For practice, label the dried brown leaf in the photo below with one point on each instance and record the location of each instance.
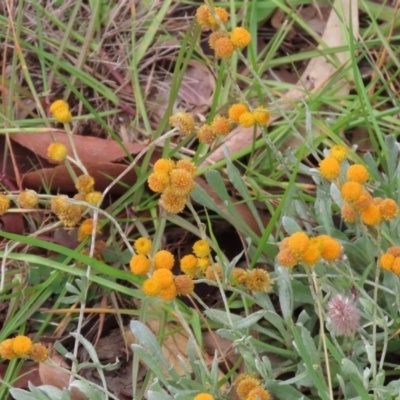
(28, 373)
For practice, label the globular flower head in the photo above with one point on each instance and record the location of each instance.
(236, 111)
(142, 245)
(348, 213)
(240, 37)
(165, 165)
(287, 258)
(187, 165)
(188, 265)
(351, 191)
(331, 249)
(239, 275)
(163, 259)
(151, 287)
(212, 40)
(363, 201)
(86, 228)
(203, 263)
(6, 349)
(28, 199)
(204, 396)
(371, 215)
(389, 209)
(338, 152)
(84, 183)
(220, 125)
(21, 345)
(57, 152)
(205, 134)
(247, 119)
(223, 47)
(261, 115)
(172, 202)
(205, 17)
(72, 216)
(181, 181)
(93, 198)
(182, 121)
(386, 261)
(60, 204)
(168, 293)
(298, 242)
(244, 384)
(329, 168)
(214, 271)
(311, 254)
(343, 315)
(39, 352)
(357, 173)
(258, 280)
(158, 181)
(60, 111)
(394, 250)
(4, 204)
(140, 264)
(201, 248)
(164, 276)
(258, 394)
(184, 285)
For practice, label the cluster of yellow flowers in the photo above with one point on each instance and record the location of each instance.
(22, 346)
(358, 202)
(240, 114)
(26, 199)
(249, 388)
(390, 261)
(174, 181)
(224, 44)
(301, 248)
(161, 281)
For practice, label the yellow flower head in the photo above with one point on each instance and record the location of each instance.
(311, 255)
(181, 182)
(203, 263)
(348, 214)
(261, 115)
(396, 266)
(28, 199)
(205, 134)
(338, 152)
(60, 204)
(205, 18)
(164, 276)
(163, 259)
(84, 183)
(247, 119)
(22, 345)
(201, 248)
(93, 198)
(188, 265)
(182, 121)
(164, 165)
(239, 275)
(4, 204)
(286, 258)
(39, 353)
(57, 151)
(351, 191)
(184, 285)
(258, 394)
(151, 287)
(158, 181)
(60, 111)
(389, 209)
(140, 264)
(220, 125)
(245, 384)
(223, 47)
(214, 37)
(386, 261)
(187, 165)
(204, 396)
(357, 173)
(6, 349)
(214, 271)
(363, 201)
(371, 215)
(72, 216)
(240, 37)
(331, 249)
(298, 242)
(168, 293)
(172, 202)
(236, 111)
(394, 250)
(329, 168)
(86, 229)
(142, 246)
(258, 280)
